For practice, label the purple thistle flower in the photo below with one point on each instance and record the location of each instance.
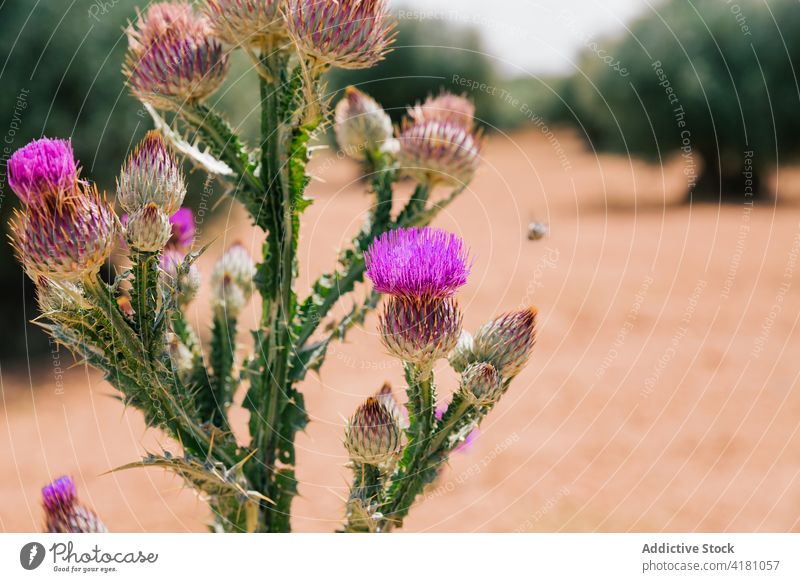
(63, 513)
(66, 239)
(60, 493)
(173, 57)
(182, 230)
(417, 262)
(435, 151)
(351, 34)
(44, 165)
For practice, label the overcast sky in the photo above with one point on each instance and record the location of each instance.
(538, 36)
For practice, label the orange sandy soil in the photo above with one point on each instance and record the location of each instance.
(662, 394)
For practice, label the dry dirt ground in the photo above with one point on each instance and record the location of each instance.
(663, 394)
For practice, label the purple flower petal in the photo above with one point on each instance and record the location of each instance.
(417, 262)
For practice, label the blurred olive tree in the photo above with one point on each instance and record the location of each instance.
(713, 81)
(60, 76)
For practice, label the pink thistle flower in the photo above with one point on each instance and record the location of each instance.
(417, 262)
(44, 166)
(172, 57)
(435, 152)
(183, 230)
(245, 22)
(67, 240)
(351, 34)
(63, 513)
(445, 108)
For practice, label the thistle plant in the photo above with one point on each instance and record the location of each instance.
(135, 330)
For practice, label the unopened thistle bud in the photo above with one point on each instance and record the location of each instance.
(351, 34)
(180, 356)
(372, 435)
(363, 128)
(445, 108)
(417, 262)
(420, 330)
(63, 513)
(186, 284)
(386, 397)
(232, 280)
(148, 229)
(173, 57)
(245, 22)
(463, 354)
(52, 297)
(44, 167)
(151, 175)
(66, 240)
(435, 152)
(481, 384)
(507, 341)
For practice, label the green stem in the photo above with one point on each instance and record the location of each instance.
(144, 297)
(223, 350)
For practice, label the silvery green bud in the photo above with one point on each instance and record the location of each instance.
(180, 356)
(462, 355)
(186, 284)
(151, 174)
(372, 435)
(481, 384)
(232, 281)
(362, 127)
(148, 229)
(507, 341)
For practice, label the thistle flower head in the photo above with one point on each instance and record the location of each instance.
(417, 262)
(351, 34)
(66, 240)
(186, 284)
(44, 166)
(245, 22)
(52, 297)
(173, 57)
(462, 355)
(232, 280)
(420, 330)
(148, 229)
(362, 127)
(445, 108)
(63, 513)
(434, 152)
(506, 342)
(372, 435)
(481, 384)
(180, 356)
(182, 223)
(386, 397)
(151, 174)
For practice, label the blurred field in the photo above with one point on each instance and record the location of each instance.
(662, 394)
